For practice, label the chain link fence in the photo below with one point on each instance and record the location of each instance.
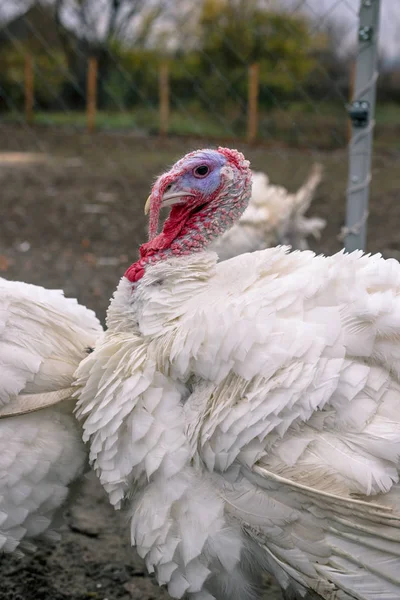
(241, 70)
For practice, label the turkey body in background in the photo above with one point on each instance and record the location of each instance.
(43, 338)
(273, 217)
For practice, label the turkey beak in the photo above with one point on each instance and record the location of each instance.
(174, 198)
(167, 200)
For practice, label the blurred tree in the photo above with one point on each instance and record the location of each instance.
(135, 81)
(178, 30)
(49, 71)
(237, 33)
(31, 31)
(91, 27)
(334, 55)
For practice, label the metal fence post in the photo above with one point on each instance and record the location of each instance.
(361, 112)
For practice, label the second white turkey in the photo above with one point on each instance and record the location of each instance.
(273, 217)
(43, 338)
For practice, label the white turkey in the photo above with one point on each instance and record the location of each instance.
(246, 413)
(273, 216)
(43, 337)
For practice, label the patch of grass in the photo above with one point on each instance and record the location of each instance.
(295, 125)
(104, 120)
(182, 122)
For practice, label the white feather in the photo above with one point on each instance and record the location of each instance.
(43, 337)
(247, 414)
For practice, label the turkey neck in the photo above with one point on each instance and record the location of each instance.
(188, 231)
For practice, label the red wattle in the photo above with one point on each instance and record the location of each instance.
(135, 272)
(172, 228)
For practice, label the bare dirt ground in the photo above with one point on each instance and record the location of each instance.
(72, 218)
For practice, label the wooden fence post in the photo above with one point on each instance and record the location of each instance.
(252, 115)
(91, 93)
(29, 88)
(164, 98)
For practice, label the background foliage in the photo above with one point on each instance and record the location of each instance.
(208, 44)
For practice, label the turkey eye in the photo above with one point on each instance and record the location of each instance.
(201, 171)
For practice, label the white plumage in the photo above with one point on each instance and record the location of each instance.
(246, 413)
(274, 216)
(43, 337)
